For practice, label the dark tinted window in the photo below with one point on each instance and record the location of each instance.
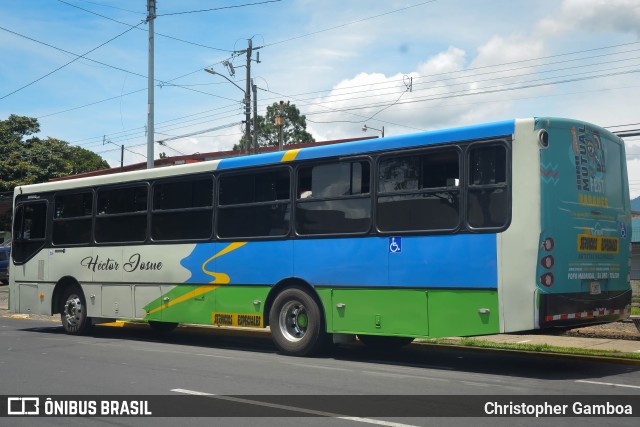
(182, 210)
(122, 200)
(487, 194)
(254, 204)
(121, 215)
(72, 218)
(419, 192)
(488, 165)
(183, 194)
(73, 205)
(254, 220)
(254, 187)
(31, 222)
(29, 230)
(333, 198)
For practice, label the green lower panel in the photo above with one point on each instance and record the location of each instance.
(463, 313)
(410, 312)
(246, 300)
(380, 312)
(233, 305)
(188, 305)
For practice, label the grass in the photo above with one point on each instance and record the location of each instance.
(635, 311)
(536, 348)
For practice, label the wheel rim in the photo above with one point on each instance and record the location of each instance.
(293, 321)
(73, 310)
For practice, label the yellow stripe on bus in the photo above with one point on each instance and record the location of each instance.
(290, 155)
(218, 279)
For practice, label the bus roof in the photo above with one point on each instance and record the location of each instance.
(343, 149)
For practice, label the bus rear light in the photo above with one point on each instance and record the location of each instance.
(547, 279)
(548, 244)
(547, 262)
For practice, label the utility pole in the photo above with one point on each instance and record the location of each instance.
(151, 15)
(247, 100)
(255, 117)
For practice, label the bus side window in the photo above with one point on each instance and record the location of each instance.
(182, 209)
(333, 198)
(487, 194)
(72, 218)
(419, 192)
(254, 204)
(30, 230)
(122, 214)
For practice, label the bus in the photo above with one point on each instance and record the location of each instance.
(502, 227)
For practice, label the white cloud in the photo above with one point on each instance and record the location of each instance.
(594, 16)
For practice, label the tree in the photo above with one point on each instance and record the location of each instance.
(294, 130)
(31, 160)
(26, 159)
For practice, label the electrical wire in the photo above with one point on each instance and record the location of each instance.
(155, 32)
(219, 8)
(68, 63)
(348, 23)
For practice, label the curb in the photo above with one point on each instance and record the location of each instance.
(581, 357)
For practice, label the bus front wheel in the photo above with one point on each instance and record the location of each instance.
(296, 323)
(73, 312)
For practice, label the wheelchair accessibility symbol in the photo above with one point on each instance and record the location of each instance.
(395, 245)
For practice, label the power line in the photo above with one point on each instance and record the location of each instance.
(112, 7)
(156, 33)
(348, 23)
(71, 53)
(68, 63)
(220, 8)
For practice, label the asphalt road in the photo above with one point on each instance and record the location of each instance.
(37, 358)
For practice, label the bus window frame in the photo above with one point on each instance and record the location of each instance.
(146, 213)
(333, 160)
(183, 178)
(459, 147)
(252, 170)
(17, 241)
(92, 217)
(506, 144)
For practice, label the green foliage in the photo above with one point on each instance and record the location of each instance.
(31, 160)
(294, 130)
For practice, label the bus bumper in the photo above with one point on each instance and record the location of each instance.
(575, 309)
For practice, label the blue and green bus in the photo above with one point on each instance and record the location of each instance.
(501, 227)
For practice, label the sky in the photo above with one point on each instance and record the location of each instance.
(80, 67)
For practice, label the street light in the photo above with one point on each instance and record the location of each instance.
(365, 128)
(247, 107)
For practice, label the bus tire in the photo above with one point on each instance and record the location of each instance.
(379, 342)
(73, 312)
(162, 327)
(297, 324)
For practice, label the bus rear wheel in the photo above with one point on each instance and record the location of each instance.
(73, 312)
(384, 343)
(297, 326)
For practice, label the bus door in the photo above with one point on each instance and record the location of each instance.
(29, 261)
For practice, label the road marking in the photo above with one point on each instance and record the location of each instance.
(611, 384)
(395, 375)
(320, 367)
(292, 408)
